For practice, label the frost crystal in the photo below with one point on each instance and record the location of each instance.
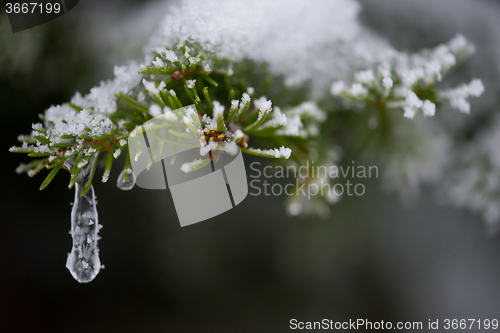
(117, 152)
(170, 56)
(264, 105)
(303, 120)
(151, 87)
(62, 120)
(102, 98)
(218, 110)
(238, 135)
(190, 83)
(458, 97)
(365, 76)
(231, 148)
(155, 110)
(428, 108)
(170, 116)
(158, 62)
(293, 126)
(234, 104)
(194, 60)
(245, 98)
(282, 152)
(190, 166)
(279, 119)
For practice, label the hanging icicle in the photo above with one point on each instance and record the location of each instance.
(83, 262)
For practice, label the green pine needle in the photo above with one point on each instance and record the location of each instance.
(50, 176)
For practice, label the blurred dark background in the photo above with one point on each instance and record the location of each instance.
(253, 268)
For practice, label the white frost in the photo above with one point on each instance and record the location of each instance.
(281, 152)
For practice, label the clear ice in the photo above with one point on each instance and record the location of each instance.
(126, 184)
(83, 262)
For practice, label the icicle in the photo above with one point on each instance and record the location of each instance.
(83, 261)
(126, 180)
